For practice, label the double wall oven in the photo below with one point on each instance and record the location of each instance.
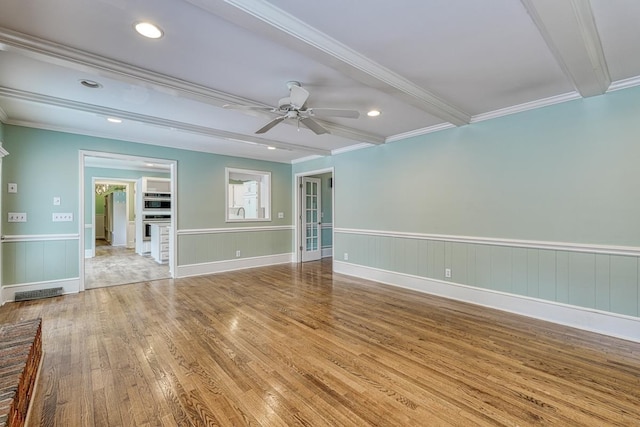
(156, 207)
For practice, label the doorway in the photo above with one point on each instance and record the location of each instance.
(314, 215)
(110, 186)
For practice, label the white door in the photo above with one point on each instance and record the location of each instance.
(311, 222)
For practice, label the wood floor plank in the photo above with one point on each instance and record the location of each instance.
(298, 345)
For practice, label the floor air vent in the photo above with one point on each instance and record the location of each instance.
(40, 293)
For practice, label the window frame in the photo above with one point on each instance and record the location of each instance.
(264, 176)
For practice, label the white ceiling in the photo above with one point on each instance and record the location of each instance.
(426, 64)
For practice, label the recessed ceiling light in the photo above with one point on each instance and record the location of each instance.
(373, 113)
(149, 30)
(150, 165)
(271, 148)
(90, 84)
(114, 120)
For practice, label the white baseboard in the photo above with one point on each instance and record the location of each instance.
(232, 264)
(327, 252)
(69, 286)
(602, 322)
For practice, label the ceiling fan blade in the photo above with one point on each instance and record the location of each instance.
(313, 125)
(332, 112)
(271, 124)
(298, 96)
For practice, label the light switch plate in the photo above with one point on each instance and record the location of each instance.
(56, 201)
(12, 187)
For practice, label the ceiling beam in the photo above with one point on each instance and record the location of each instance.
(569, 29)
(281, 27)
(54, 53)
(150, 120)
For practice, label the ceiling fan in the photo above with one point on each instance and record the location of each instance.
(294, 107)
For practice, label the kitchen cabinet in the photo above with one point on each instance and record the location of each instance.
(160, 234)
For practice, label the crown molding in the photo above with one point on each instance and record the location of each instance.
(350, 148)
(304, 159)
(419, 132)
(493, 114)
(624, 84)
(165, 123)
(275, 23)
(545, 102)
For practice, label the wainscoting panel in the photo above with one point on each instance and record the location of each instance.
(326, 235)
(593, 280)
(41, 259)
(214, 245)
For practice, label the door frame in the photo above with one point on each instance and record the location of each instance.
(306, 254)
(298, 229)
(115, 181)
(3, 153)
(173, 174)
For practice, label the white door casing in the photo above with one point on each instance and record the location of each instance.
(311, 239)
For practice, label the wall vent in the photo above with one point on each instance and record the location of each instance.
(38, 294)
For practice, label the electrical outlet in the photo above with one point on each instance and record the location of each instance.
(16, 217)
(280, 215)
(447, 272)
(62, 217)
(237, 254)
(12, 187)
(346, 256)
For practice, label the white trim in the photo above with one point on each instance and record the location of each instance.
(516, 243)
(69, 286)
(419, 132)
(624, 84)
(3, 152)
(326, 225)
(615, 325)
(232, 264)
(297, 181)
(160, 122)
(351, 148)
(38, 237)
(552, 100)
(173, 174)
(233, 230)
(305, 159)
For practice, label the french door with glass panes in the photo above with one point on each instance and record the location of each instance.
(311, 241)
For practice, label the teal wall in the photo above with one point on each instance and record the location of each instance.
(45, 164)
(564, 173)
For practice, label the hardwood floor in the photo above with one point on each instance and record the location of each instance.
(297, 345)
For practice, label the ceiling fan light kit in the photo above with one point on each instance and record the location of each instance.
(294, 107)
